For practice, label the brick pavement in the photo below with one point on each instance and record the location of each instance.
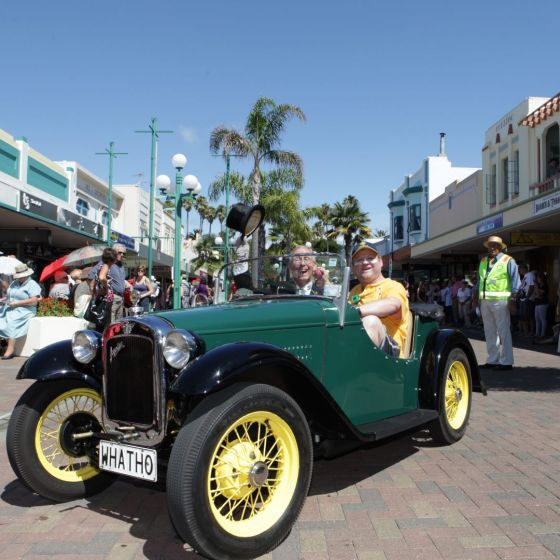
(493, 495)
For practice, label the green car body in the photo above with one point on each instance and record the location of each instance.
(234, 400)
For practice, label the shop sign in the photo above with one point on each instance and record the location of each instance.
(128, 242)
(489, 224)
(537, 239)
(547, 203)
(77, 222)
(37, 206)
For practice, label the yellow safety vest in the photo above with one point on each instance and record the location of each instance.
(494, 283)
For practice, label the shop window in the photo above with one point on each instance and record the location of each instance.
(515, 173)
(82, 207)
(505, 179)
(415, 217)
(552, 151)
(491, 187)
(398, 230)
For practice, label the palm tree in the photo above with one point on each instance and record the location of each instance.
(201, 204)
(188, 204)
(260, 142)
(207, 256)
(286, 218)
(221, 216)
(349, 221)
(210, 215)
(322, 226)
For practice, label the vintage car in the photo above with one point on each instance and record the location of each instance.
(233, 402)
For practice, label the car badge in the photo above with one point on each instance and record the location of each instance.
(127, 327)
(113, 352)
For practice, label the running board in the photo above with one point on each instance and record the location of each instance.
(397, 424)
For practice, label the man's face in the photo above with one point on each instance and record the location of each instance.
(494, 249)
(367, 267)
(302, 266)
(120, 253)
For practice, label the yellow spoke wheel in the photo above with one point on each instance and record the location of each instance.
(55, 426)
(456, 394)
(453, 399)
(253, 474)
(239, 471)
(40, 441)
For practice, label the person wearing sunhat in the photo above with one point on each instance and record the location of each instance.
(18, 307)
(381, 302)
(498, 282)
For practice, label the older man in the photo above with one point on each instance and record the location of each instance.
(381, 302)
(307, 275)
(498, 281)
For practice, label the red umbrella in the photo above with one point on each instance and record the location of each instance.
(50, 269)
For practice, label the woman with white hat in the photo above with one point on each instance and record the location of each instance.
(19, 306)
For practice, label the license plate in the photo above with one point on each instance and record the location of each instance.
(129, 460)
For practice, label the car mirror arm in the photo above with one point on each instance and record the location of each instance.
(341, 303)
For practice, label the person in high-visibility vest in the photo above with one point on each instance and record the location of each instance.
(498, 282)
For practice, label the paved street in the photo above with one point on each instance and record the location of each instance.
(495, 494)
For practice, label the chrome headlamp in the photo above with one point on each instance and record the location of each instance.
(179, 347)
(85, 345)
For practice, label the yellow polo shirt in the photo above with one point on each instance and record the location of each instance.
(396, 327)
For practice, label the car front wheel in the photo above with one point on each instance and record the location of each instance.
(239, 472)
(45, 444)
(454, 400)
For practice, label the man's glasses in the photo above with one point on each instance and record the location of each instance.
(120, 252)
(365, 260)
(302, 259)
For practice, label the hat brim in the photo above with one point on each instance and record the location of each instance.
(369, 249)
(25, 274)
(502, 244)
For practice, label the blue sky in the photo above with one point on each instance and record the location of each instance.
(377, 81)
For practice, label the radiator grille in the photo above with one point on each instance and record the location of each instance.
(129, 379)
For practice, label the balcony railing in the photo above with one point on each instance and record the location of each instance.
(551, 184)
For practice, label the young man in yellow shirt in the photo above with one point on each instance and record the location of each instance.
(381, 302)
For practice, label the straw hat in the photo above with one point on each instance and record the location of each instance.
(495, 239)
(22, 271)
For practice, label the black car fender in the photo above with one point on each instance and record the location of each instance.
(56, 361)
(256, 362)
(432, 365)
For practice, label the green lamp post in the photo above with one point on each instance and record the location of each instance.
(192, 186)
(112, 155)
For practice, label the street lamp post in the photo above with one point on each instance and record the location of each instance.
(112, 155)
(192, 186)
(155, 136)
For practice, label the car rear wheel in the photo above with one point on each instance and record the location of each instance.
(454, 400)
(239, 472)
(42, 445)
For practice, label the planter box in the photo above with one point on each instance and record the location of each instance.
(46, 330)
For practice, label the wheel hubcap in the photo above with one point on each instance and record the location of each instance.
(258, 474)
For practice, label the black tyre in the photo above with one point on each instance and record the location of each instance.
(454, 399)
(41, 449)
(239, 472)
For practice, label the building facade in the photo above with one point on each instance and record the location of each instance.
(48, 208)
(409, 206)
(519, 198)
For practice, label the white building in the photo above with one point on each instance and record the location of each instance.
(410, 202)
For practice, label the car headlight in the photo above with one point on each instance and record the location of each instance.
(85, 345)
(178, 348)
